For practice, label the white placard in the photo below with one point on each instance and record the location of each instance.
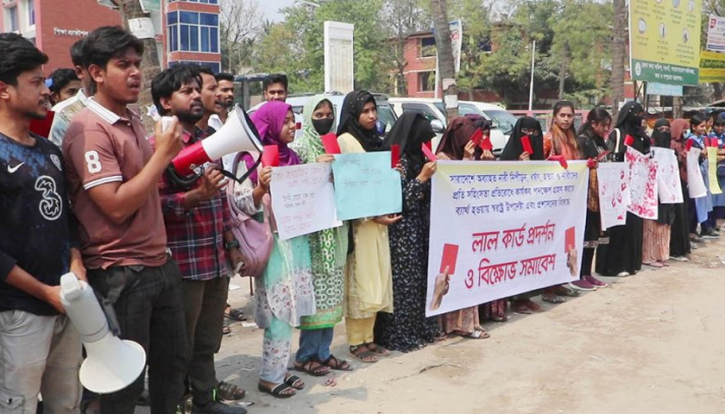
(695, 182)
(642, 184)
(613, 193)
(503, 228)
(303, 199)
(669, 187)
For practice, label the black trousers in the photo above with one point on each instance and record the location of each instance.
(204, 303)
(147, 302)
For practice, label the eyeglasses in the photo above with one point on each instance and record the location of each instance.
(528, 131)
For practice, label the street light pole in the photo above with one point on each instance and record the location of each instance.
(531, 84)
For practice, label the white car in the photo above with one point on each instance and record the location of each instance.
(434, 110)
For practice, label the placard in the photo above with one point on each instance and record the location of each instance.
(612, 178)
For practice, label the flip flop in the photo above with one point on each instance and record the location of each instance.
(363, 356)
(237, 314)
(477, 335)
(230, 392)
(278, 391)
(553, 299)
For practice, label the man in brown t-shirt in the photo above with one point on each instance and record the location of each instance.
(113, 176)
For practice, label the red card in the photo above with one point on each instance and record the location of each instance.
(570, 239)
(329, 141)
(42, 126)
(449, 259)
(628, 140)
(270, 156)
(486, 144)
(713, 142)
(561, 160)
(394, 155)
(688, 146)
(526, 143)
(477, 136)
(429, 144)
(428, 153)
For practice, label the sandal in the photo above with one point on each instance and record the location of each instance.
(552, 298)
(313, 368)
(229, 392)
(295, 382)
(337, 364)
(280, 391)
(226, 330)
(378, 350)
(477, 334)
(363, 354)
(237, 315)
(563, 291)
(533, 306)
(521, 308)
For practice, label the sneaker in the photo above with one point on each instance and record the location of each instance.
(694, 246)
(696, 239)
(216, 407)
(679, 258)
(595, 282)
(582, 285)
(710, 234)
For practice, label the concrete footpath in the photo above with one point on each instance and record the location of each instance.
(650, 343)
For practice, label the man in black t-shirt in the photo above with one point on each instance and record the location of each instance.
(41, 350)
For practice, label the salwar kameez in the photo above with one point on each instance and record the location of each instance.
(656, 246)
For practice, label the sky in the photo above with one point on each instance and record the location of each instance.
(270, 8)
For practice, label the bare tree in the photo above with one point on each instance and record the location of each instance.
(619, 29)
(446, 65)
(240, 21)
(402, 18)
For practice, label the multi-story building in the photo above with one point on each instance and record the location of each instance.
(187, 30)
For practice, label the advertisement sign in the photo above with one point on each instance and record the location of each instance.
(716, 34)
(712, 67)
(665, 40)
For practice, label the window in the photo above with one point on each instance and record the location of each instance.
(31, 12)
(214, 66)
(426, 81)
(193, 32)
(13, 13)
(427, 47)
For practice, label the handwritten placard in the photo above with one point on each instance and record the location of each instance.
(712, 169)
(669, 187)
(303, 199)
(642, 184)
(613, 193)
(366, 186)
(510, 220)
(695, 183)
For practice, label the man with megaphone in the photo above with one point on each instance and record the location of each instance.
(198, 228)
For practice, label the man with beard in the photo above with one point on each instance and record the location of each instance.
(225, 100)
(41, 350)
(199, 235)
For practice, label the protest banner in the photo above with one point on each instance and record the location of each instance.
(695, 182)
(366, 186)
(669, 187)
(642, 184)
(503, 228)
(303, 199)
(613, 193)
(712, 170)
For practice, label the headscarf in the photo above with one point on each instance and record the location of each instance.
(629, 124)
(352, 107)
(458, 133)
(269, 121)
(679, 144)
(514, 148)
(677, 130)
(661, 139)
(410, 132)
(309, 146)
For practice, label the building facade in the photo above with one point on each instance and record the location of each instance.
(186, 30)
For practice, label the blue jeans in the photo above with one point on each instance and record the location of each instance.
(315, 345)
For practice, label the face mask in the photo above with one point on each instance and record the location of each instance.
(323, 126)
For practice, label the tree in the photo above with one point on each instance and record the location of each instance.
(402, 18)
(239, 26)
(446, 65)
(619, 28)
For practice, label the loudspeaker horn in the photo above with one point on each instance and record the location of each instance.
(111, 364)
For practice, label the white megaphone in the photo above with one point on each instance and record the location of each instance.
(237, 134)
(111, 364)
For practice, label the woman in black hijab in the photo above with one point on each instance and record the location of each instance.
(656, 240)
(623, 256)
(514, 149)
(407, 329)
(353, 109)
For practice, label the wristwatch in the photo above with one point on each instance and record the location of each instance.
(231, 245)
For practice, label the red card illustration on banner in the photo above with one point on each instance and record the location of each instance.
(428, 153)
(628, 140)
(526, 143)
(561, 160)
(477, 137)
(42, 126)
(329, 141)
(570, 239)
(449, 259)
(394, 155)
(270, 156)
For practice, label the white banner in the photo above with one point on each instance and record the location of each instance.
(613, 193)
(669, 187)
(716, 34)
(503, 228)
(303, 199)
(695, 182)
(642, 184)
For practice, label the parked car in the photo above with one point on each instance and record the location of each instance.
(386, 115)
(434, 110)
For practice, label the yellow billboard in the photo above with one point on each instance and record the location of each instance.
(665, 40)
(712, 67)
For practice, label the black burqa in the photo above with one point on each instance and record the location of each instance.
(408, 329)
(624, 251)
(352, 107)
(514, 148)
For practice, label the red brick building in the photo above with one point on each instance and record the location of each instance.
(420, 55)
(187, 30)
